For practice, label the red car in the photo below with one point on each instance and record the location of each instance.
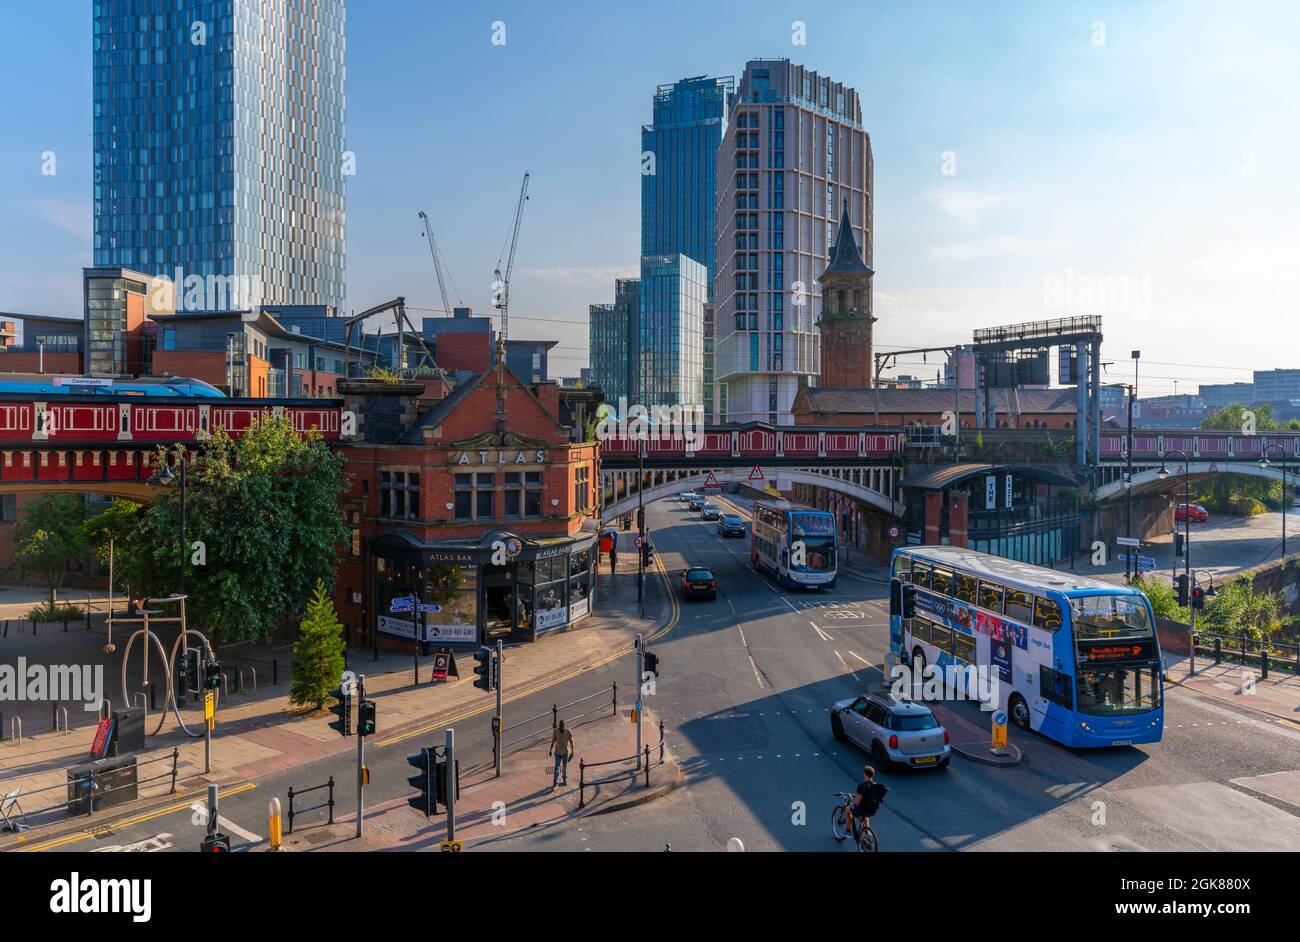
(1198, 513)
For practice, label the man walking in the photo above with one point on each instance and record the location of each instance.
(613, 557)
(562, 746)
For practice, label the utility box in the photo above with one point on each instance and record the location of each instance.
(102, 783)
(129, 736)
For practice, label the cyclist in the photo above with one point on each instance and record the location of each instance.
(870, 795)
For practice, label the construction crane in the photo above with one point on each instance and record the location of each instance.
(437, 264)
(501, 285)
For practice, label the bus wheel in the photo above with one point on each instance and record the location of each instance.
(1019, 711)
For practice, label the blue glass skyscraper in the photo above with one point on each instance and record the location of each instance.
(219, 144)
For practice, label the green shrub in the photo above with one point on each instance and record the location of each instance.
(57, 611)
(1164, 602)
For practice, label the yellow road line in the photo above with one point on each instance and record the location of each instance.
(128, 822)
(549, 682)
(1288, 723)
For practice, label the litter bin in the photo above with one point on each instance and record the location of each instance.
(101, 783)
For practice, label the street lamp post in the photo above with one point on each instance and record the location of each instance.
(1187, 542)
(1264, 463)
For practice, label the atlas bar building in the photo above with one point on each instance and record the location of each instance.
(476, 501)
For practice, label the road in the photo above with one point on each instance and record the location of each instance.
(745, 685)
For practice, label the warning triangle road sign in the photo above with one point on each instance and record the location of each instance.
(712, 481)
(756, 474)
(1214, 467)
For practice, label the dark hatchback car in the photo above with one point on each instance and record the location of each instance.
(698, 582)
(731, 525)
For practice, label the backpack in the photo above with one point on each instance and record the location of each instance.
(874, 798)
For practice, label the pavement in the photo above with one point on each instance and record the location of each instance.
(1278, 696)
(489, 808)
(259, 735)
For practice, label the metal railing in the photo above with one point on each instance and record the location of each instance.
(642, 760)
(92, 792)
(327, 803)
(553, 714)
(1243, 649)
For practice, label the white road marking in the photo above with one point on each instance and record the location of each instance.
(201, 808)
(860, 658)
(846, 665)
(825, 636)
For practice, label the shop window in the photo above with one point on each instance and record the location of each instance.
(473, 495)
(399, 494)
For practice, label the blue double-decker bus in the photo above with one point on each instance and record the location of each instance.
(793, 544)
(1074, 658)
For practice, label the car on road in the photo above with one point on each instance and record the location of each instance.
(1197, 513)
(709, 511)
(731, 525)
(686, 497)
(895, 732)
(698, 582)
(695, 503)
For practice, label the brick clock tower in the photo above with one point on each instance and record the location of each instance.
(846, 314)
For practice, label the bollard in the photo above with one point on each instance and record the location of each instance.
(16, 730)
(2, 727)
(65, 625)
(1263, 663)
(87, 612)
(33, 627)
(647, 765)
(555, 715)
(273, 812)
(1218, 651)
(291, 809)
(66, 726)
(6, 627)
(153, 699)
(275, 672)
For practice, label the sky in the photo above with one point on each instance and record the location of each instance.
(1032, 159)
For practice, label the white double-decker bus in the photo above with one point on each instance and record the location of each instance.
(794, 544)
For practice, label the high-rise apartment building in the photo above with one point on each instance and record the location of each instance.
(669, 365)
(219, 146)
(793, 153)
(613, 340)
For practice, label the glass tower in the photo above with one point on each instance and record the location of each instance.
(613, 342)
(219, 146)
(670, 350)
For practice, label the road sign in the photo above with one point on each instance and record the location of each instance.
(454, 847)
(1146, 564)
(1128, 541)
(440, 663)
(403, 603)
(711, 481)
(999, 730)
(894, 532)
(429, 607)
(210, 708)
(756, 474)
(636, 541)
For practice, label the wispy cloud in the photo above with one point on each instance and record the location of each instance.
(963, 204)
(584, 276)
(1257, 260)
(72, 216)
(994, 247)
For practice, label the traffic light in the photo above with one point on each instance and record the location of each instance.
(640, 518)
(652, 663)
(187, 678)
(645, 553)
(215, 844)
(484, 669)
(1198, 597)
(342, 709)
(440, 780)
(1180, 543)
(427, 800)
(1180, 586)
(366, 718)
(909, 600)
(212, 675)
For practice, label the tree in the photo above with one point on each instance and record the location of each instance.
(263, 527)
(318, 652)
(1164, 602)
(1238, 609)
(50, 536)
(122, 525)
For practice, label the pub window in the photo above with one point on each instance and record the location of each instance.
(464, 487)
(991, 596)
(1047, 614)
(484, 483)
(1019, 606)
(941, 581)
(399, 494)
(582, 489)
(967, 588)
(523, 494)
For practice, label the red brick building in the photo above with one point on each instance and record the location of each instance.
(846, 321)
(476, 501)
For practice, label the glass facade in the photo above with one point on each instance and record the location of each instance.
(613, 340)
(219, 145)
(670, 354)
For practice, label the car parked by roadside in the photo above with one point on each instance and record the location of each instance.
(1196, 512)
(894, 732)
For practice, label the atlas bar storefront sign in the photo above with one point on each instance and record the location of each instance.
(504, 456)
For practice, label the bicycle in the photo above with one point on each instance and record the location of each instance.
(863, 836)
